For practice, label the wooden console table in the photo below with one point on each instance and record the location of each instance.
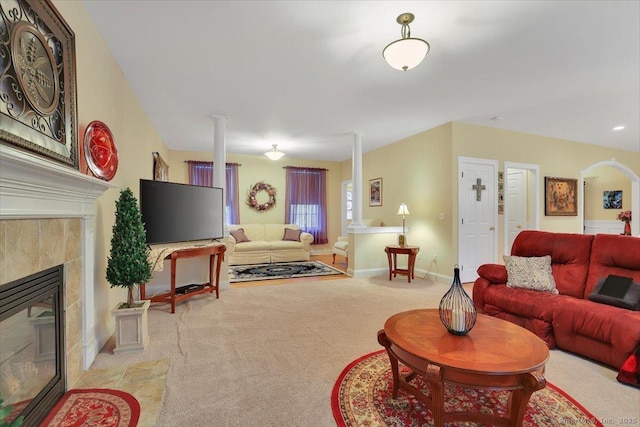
(216, 255)
(394, 250)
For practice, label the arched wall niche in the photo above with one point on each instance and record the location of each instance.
(635, 190)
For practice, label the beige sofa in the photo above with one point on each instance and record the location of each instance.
(266, 245)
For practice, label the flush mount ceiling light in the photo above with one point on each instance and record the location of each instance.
(618, 128)
(406, 53)
(274, 154)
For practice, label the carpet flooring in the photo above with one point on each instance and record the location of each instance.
(280, 270)
(362, 397)
(270, 355)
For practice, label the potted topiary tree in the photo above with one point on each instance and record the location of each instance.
(127, 267)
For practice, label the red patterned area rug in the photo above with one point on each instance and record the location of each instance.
(362, 397)
(94, 407)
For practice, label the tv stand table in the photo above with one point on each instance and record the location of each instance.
(215, 254)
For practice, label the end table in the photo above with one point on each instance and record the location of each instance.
(394, 250)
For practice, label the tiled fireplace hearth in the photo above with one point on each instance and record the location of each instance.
(47, 218)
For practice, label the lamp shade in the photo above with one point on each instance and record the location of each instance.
(405, 54)
(403, 210)
(274, 154)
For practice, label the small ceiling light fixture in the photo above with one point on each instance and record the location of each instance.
(405, 53)
(617, 128)
(274, 154)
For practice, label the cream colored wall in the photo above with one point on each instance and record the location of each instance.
(424, 175)
(368, 252)
(556, 157)
(415, 171)
(104, 94)
(605, 178)
(259, 168)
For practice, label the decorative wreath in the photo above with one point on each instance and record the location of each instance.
(261, 186)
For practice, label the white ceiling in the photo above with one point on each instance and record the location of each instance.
(306, 74)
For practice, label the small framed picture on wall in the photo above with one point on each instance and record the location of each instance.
(160, 168)
(612, 199)
(375, 192)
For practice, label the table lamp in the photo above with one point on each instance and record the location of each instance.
(404, 211)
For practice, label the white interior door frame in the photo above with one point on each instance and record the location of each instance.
(635, 190)
(343, 207)
(535, 189)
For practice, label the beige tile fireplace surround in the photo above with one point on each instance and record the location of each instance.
(32, 245)
(47, 218)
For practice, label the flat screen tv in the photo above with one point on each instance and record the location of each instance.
(174, 212)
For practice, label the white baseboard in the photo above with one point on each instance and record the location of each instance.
(372, 272)
(419, 273)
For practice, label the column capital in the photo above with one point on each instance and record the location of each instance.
(219, 118)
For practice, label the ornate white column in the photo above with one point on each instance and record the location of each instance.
(220, 154)
(220, 180)
(356, 179)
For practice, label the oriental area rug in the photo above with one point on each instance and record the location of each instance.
(362, 397)
(279, 270)
(94, 407)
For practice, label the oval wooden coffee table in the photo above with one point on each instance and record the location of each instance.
(496, 355)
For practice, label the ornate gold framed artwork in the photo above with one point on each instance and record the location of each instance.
(38, 83)
(560, 196)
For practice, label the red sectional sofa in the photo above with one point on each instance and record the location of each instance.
(569, 320)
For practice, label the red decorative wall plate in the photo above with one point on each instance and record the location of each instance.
(100, 150)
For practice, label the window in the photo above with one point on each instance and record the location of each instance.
(306, 216)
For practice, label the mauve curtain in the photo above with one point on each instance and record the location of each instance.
(201, 173)
(306, 201)
(233, 200)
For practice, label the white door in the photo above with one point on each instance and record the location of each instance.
(530, 190)
(517, 205)
(477, 215)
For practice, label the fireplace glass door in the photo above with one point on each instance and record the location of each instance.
(32, 345)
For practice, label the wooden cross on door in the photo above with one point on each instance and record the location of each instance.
(479, 186)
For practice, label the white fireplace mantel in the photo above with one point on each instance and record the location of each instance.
(33, 187)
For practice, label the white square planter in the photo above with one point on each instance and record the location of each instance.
(132, 332)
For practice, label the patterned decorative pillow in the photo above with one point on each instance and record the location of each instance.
(291, 234)
(530, 273)
(239, 235)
